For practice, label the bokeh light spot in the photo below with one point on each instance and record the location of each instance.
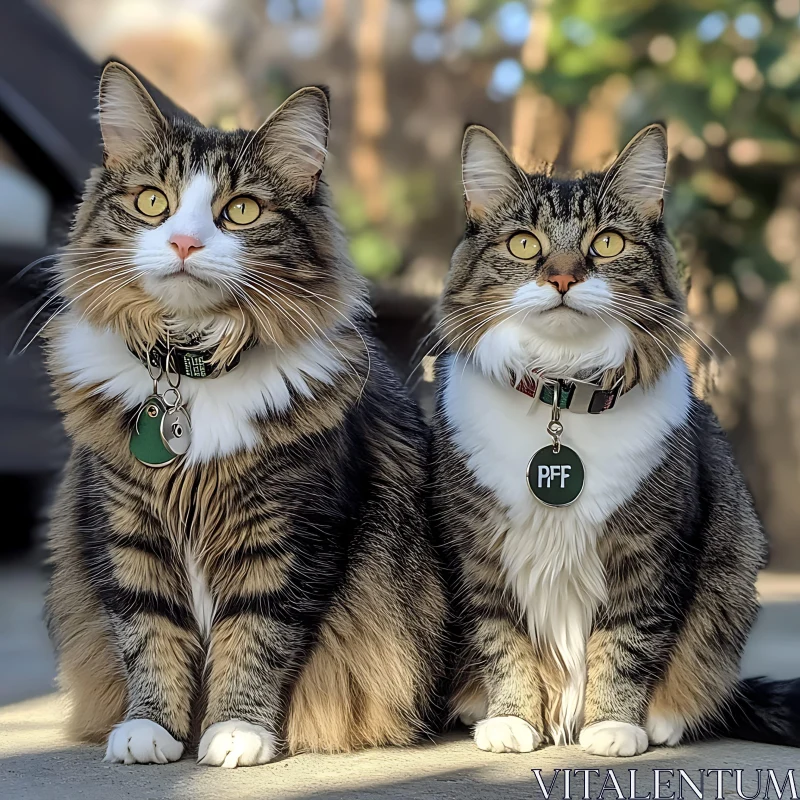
(715, 134)
(305, 42)
(506, 79)
(693, 147)
(430, 13)
(662, 49)
(311, 9)
(577, 31)
(748, 25)
(467, 34)
(745, 151)
(513, 22)
(426, 46)
(280, 12)
(787, 8)
(745, 71)
(712, 26)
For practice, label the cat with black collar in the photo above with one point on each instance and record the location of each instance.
(242, 561)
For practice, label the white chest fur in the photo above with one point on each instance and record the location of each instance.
(222, 409)
(202, 600)
(549, 554)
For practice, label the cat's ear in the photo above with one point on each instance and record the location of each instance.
(294, 140)
(129, 118)
(640, 171)
(489, 173)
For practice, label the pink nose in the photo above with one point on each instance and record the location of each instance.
(184, 246)
(563, 282)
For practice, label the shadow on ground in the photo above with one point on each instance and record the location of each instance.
(452, 769)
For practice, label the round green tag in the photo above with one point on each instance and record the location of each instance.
(556, 478)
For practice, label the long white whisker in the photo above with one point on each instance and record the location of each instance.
(618, 314)
(26, 269)
(59, 285)
(314, 326)
(64, 308)
(676, 333)
(266, 283)
(663, 319)
(677, 313)
(439, 328)
(108, 294)
(56, 296)
(259, 314)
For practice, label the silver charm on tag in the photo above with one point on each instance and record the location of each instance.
(176, 427)
(176, 430)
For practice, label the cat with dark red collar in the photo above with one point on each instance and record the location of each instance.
(603, 544)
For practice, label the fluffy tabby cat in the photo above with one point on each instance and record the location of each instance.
(618, 620)
(277, 584)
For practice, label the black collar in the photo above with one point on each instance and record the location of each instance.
(188, 360)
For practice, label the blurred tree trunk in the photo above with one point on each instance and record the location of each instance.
(758, 392)
(371, 116)
(768, 435)
(596, 131)
(537, 124)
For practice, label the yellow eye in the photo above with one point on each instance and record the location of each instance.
(607, 244)
(152, 202)
(524, 245)
(242, 210)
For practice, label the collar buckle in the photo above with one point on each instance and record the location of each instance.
(579, 397)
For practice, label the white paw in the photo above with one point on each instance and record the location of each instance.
(665, 729)
(506, 735)
(236, 744)
(472, 710)
(142, 741)
(613, 739)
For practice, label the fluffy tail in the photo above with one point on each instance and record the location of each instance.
(761, 710)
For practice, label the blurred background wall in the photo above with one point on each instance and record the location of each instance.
(563, 81)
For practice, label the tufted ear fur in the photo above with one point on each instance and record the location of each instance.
(640, 171)
(129, 118)
(294, 140)
(488, 172)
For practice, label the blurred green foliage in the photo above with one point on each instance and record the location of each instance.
(728, 71)
(724, 75)
(377, 251)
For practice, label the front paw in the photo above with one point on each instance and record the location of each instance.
(506, 735)
(665, 728)
(611, 738)
(236, 744)
(142, 741)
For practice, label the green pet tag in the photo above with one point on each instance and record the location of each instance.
(147, 443)
(555, 476)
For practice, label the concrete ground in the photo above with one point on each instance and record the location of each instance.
(37, 763)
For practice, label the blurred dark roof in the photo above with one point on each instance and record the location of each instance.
(47, 93)
(48, 89)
